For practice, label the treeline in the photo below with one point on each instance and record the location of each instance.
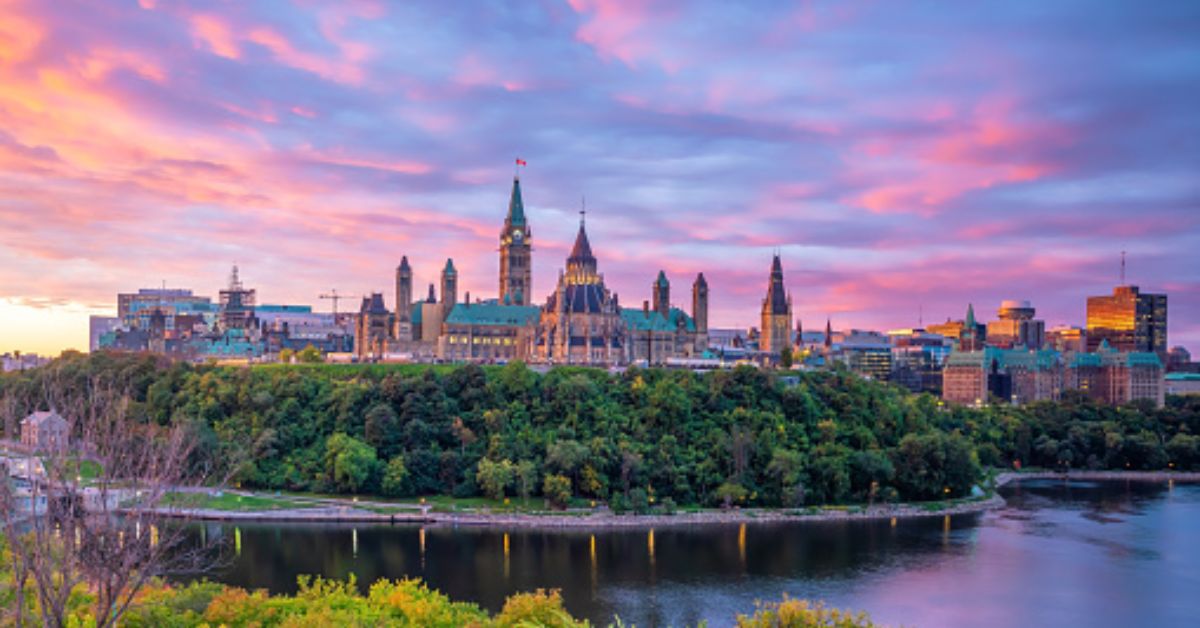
(637, 439)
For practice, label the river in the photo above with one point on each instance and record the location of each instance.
(1059, 554)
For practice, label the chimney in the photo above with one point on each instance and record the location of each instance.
(646, 308)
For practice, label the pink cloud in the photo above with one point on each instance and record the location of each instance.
(991, 146)
(624, 30)
(216, 35)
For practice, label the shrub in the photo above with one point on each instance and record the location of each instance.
(558, 490)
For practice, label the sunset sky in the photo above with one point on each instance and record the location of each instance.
(904, 157)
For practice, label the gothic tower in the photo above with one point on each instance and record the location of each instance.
(449, 287)
(776, 312)
(581, 264)
(700, 304)
(404, 300)
(662, 295)
(516, 253)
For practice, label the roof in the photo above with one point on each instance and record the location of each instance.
(449, 269)
(1182, 377)
(516, 207)
(373, 304)
(492, 314)
(639, 320)
(1005, 358)
(776, 294)
(43, 418)
(582, 251)
(579, 298)
(404, 264)
(662, 279)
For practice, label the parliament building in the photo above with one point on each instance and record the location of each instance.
(580, 322)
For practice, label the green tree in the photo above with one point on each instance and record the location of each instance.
(527, 477)
(557, 489)
(350, 463)
(395, 477)
(495, 477)
(309, 355)
(730, 493)
(785, 358)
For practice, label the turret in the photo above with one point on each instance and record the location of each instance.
(700, 304)
(662, 294)
(404, 291)
(449, 286)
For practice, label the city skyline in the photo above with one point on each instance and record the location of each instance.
(151, 142)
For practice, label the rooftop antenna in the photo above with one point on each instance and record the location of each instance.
(921, 315)
(582, 210)
(1122, 268)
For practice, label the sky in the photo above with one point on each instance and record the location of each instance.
(904, 158)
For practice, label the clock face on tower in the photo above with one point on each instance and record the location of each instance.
(517, 235)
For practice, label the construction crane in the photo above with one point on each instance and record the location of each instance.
(334, 296)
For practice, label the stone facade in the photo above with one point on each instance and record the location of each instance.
(45, 431)
(776, 313)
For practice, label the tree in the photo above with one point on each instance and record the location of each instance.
(557, 489)
(287, 355)
(527, 477)
(785, 358)
(349, 463)
(381, 429)
(729, 493)
(787, 467)
(395, 477)
(495, 477)
(108, 493)
(309, 355)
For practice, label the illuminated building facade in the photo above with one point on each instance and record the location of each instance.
(1128, 320)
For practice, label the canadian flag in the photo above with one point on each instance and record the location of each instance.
(521, 162)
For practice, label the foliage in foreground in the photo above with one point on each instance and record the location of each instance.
(409, 602)
(635, 440)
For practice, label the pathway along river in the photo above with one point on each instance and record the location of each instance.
(1060, 553)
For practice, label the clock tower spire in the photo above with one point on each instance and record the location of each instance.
(516, 253)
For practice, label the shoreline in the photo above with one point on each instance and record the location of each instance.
(355, 513)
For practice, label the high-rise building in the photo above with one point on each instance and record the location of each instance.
(516, 253)
(1066, 339)
(1128, 320)
(1016, 328)
(776, 313)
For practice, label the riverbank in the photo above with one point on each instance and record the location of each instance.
(342, 510)
(1100, 476)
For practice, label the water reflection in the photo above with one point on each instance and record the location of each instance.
(1113, 554)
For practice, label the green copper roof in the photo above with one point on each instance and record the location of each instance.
(449, 269)
(638, 320)
(516, 207)
(662, 279)
(970, 322)
(492, 314)
(1005, 358)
